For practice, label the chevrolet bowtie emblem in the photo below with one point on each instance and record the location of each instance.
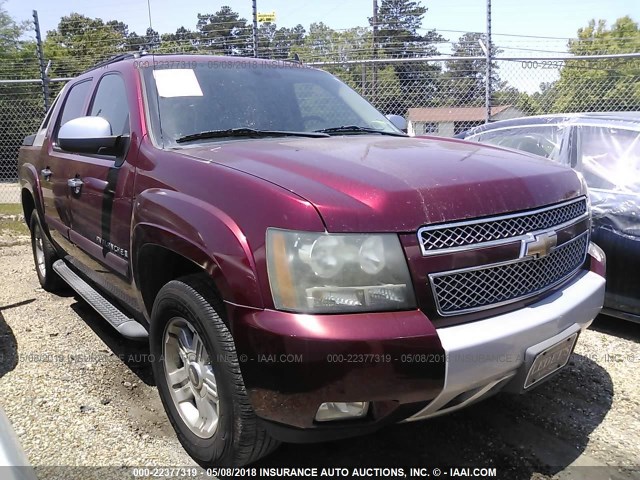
(540, 245)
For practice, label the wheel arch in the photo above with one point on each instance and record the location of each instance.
(174, 234)
(157, 265)
(30, 192)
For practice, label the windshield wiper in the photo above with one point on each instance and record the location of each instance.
(247, 132)
(357, 129)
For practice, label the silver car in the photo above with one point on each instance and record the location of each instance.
(13, 462)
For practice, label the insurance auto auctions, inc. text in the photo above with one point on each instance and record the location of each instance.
(362, 472)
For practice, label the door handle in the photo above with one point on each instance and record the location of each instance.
(46, 173)
(75, 184)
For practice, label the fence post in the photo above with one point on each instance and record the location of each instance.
(374, 67)
(255, 28)
(487, 96)
(43, 70)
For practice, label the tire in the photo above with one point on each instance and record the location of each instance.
(43, 256)
(183, 310)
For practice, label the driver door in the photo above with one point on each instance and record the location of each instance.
(100, 195)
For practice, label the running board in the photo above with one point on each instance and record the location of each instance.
(127, 327)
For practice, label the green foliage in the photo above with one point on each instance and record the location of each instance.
(323, 44)
(596, 85)
(11, 32)
(224, 33)
(398, 24)
(527, 104)
(79, 42)
(464, 81)
(277, 43)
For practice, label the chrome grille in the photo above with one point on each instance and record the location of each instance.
(460, 234)
(468, 290)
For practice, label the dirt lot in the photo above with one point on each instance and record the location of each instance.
(78, 395)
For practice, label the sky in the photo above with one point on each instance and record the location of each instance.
(531, 28)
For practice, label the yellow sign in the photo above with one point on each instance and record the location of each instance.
(267, 17)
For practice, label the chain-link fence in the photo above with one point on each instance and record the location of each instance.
(21, 111)
(438, 94)
(446, 96)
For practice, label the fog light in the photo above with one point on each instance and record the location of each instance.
(330, 411)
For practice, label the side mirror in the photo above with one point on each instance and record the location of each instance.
(399, 122)
(89, 135)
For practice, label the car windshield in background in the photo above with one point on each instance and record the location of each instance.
(609, 158)
(219, 96)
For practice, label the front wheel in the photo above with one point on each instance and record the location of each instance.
(198, 376)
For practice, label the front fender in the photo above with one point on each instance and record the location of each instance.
(201, 233)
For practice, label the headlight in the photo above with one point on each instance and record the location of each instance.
(331, 273)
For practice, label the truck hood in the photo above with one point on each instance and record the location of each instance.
(374, 183)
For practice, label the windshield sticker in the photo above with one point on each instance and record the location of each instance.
(177, 83)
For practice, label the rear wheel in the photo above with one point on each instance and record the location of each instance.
(43, 256)
(198, 376)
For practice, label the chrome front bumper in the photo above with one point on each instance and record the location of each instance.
(489, 355)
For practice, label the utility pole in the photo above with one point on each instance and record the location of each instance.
(255, 29)
(487, 99)
(374, 68)
(43, 70)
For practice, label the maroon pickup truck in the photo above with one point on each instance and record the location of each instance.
(302, 269)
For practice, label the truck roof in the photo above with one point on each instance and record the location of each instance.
(131, 56)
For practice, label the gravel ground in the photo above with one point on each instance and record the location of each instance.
(79, 395)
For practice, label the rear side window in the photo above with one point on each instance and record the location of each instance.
(110, 103)
(75, 102)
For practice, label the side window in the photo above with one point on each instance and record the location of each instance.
(539, 140)
(110, 102)
(609, 158)
(74, 103)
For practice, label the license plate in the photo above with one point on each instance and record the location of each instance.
(550, 360)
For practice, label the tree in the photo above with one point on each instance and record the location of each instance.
(507, 95)
(224, 33)
(11, 32)
(182, 41)
(276, 43)
(597, 85)
(546, 97)
(151, 40)
(398, 24)
(79, 42)
(464, 82)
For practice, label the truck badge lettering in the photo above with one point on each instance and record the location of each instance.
(111, 247)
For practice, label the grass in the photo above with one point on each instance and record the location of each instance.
(12, 227)
(10, 208)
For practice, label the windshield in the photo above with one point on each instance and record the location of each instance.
(220, 95)
(609, 158)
